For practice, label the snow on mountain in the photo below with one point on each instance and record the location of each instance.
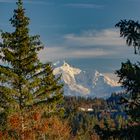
(85, 83)
(68, 76)
(110, 81)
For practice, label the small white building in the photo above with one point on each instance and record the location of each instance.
(85, 109)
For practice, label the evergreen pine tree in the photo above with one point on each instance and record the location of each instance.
(25, 82)
(129, 73)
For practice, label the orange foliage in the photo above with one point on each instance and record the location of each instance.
(32, 125)
(28, 135)
(57, 129)
(14, 121)
(4, 135)
(36, 116)
(45, 126)
(26, 126)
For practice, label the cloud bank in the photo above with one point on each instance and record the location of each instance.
(106, 37)
(59, 52)
(88, 44)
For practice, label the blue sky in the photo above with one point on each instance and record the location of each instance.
(79, 31)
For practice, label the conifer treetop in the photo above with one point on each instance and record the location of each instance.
(19, 3)
(25, 82)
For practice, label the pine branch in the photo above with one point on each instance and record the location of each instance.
(8, 72)
(47, 101)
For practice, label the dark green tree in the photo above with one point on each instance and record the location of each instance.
(129, 73)
(25, 82)
(130, 30)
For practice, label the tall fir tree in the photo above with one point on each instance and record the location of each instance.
(129, 73)
(25, 82)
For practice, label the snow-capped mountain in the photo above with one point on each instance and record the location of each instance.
(85, 83)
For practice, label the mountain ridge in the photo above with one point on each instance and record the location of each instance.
(84, 83)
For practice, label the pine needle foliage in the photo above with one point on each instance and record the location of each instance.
(25, 82)
(129, 74)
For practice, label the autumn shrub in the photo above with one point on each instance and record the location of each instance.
(33, 125)
(57, 129)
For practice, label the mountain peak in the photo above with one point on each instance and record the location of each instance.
(81, 83)
(97, 73)
(65, 64)
(68, 76)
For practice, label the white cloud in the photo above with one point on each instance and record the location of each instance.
(106, 37)
(89, 44)
(83, 5)
(58, 52)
